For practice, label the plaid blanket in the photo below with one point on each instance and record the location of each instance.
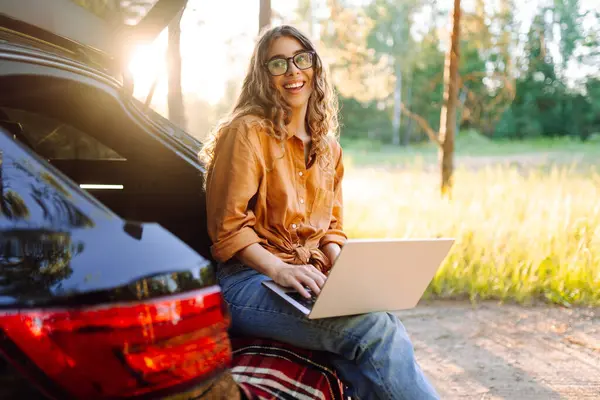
(266, 369)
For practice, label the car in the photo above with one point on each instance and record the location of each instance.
(107, 285)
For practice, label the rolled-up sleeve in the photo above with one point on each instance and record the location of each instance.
(232, 182)
(335, 233)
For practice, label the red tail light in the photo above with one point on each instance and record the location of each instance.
(126, 350)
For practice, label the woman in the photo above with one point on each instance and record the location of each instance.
(274, 203)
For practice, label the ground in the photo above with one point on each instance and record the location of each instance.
(492, 351)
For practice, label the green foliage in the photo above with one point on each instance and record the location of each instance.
(427, 83)
(566, 14)
(544, 105)
(511, 87)
(390, 34)
(364, 121)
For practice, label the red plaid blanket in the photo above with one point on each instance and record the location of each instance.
(265, 369)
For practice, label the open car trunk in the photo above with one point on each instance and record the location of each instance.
(136, 174)
(104, 31)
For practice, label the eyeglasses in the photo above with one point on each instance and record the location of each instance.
(280, 65)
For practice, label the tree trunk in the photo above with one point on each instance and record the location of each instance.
(175, 95)
(396, 121)
(410, 124)
(448, 114)
(264, 15)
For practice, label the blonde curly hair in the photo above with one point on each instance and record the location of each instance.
(259, 97)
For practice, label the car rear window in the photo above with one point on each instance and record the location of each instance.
(55, 140)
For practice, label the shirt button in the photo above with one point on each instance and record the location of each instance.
(294, 226)
(301, 201)
(300, 173)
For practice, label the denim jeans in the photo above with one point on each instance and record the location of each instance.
(371, 352)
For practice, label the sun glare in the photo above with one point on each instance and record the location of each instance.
(212, 52)
(146, 65)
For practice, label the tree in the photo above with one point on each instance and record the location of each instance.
(505, 19)
(569, 21)
(446, 135)
(264, 15)
(390, 37)
(345, 52)
(539, 102)
(175, 94)
(485, 83)
(448, 114)
(427, 79)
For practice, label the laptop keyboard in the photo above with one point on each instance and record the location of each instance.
(308, 303)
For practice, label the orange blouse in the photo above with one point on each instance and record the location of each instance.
(260, 190)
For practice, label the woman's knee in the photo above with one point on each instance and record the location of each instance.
(384, 330)
(381, 322)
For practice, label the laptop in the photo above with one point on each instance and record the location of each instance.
(372, 275)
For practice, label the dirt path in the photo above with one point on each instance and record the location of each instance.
(492, 351)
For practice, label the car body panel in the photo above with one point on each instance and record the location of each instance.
(57, 241)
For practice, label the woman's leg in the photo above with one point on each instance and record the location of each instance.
(374, 353)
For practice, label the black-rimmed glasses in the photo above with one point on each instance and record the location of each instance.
(280, 65)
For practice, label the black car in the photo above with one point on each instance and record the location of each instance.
(106, 285)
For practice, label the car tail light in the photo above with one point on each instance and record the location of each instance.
(124, 350)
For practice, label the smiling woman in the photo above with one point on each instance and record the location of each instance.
(274, 214)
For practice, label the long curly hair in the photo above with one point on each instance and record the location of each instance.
(260, 97)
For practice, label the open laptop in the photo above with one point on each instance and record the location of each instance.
(373, 275)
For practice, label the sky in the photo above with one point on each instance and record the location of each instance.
(218, 38)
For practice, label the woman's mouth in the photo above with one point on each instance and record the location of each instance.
(293, 87)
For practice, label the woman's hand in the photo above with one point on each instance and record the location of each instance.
(299, 276)
(287, 275)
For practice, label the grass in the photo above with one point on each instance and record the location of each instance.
(468, 145)
(523, 234)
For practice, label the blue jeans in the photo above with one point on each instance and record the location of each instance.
(371, 352)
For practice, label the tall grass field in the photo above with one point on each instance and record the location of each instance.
(526, 224)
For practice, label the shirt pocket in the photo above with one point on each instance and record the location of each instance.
(322, 207)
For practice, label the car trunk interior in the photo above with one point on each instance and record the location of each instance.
(171, 198)
(150, 181)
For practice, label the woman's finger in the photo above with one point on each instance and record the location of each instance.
(297, 284)
(316, 274)
(309, 281)
(318, 278)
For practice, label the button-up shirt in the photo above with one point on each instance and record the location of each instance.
(261, 190)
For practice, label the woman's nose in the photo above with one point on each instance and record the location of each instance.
(292, 69)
